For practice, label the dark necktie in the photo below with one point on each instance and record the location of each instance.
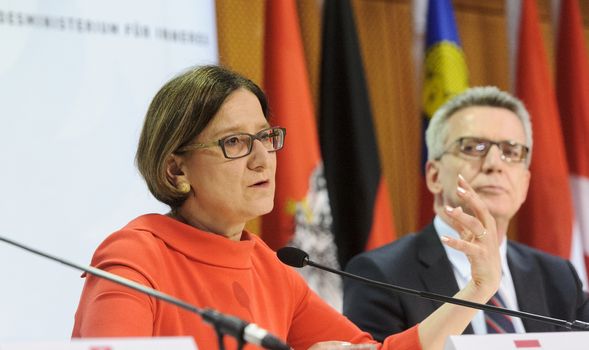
(498, 323)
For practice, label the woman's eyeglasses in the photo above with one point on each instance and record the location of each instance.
(241, 144)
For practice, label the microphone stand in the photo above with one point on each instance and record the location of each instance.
(223, 324)
(575, 325)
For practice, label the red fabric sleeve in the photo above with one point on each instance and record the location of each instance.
(407, 340)
(110, 310)
(315, 321)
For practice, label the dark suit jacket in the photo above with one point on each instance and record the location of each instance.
(544, 284)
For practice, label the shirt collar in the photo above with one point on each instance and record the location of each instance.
(196, 244)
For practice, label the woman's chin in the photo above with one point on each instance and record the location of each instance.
(259, 209)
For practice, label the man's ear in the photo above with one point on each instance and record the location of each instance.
(432, 176)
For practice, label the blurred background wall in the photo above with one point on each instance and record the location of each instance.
(392, 67)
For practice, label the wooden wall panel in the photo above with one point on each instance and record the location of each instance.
(484, 41)
(240, 28)
(310, 19)
(385, 32)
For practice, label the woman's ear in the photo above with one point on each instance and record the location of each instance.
(175, 174)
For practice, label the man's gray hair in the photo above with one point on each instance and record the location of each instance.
(437, 131)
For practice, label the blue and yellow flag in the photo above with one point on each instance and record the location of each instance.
(445, 75)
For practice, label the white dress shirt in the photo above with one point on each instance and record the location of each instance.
(461, 269)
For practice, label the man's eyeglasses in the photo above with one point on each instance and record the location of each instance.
(511, 152)
(240, 145)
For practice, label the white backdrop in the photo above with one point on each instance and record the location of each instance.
(76, 78)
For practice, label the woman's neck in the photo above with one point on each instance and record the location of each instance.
(232, 232)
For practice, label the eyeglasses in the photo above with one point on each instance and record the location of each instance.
(511, 152)
(240, 145)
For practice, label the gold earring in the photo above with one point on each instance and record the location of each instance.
(183, 187)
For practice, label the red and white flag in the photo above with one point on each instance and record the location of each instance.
(545, 220)
(572, 89)
(302, 214)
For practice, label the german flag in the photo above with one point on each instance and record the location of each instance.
(359, 198)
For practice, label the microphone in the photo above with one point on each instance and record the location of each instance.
(223, 324)
(298, 258)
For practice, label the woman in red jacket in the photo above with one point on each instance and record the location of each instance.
(207, 149)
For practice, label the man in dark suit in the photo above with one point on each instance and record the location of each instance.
(461, 140)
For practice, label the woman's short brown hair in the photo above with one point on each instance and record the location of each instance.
(178, 113)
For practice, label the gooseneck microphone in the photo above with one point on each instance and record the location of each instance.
(298, 258)
(224, 324)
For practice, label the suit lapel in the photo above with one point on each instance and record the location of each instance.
(435, 269)
(529, 288)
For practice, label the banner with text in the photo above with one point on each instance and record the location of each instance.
(76, 79)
